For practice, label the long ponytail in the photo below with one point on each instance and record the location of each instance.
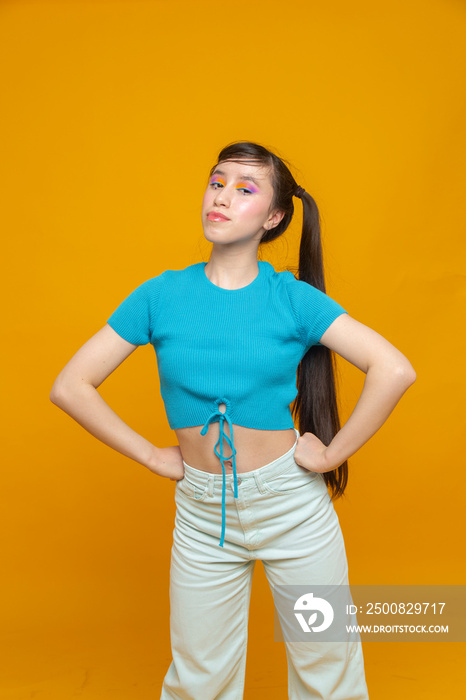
(316, 406)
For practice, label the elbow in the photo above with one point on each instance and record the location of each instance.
(61, 392)
(67, 390)
(57, 394)
(405, 374)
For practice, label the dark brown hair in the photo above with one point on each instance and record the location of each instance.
(315, 405)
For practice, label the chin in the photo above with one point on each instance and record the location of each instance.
(211, 230)
(209, 236)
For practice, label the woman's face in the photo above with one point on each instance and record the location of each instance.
(236, 204)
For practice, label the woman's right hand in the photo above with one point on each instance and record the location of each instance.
(168, 462)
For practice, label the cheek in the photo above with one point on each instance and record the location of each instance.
(206, 200)
(254, 208)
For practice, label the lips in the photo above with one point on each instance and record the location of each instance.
(216, 216)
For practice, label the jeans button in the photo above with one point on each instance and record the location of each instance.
(238, 480)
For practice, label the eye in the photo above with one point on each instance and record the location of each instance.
(215, 184)
(244, 190)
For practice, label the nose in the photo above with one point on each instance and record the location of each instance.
(222, 196)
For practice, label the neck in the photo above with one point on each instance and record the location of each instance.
(232, 270)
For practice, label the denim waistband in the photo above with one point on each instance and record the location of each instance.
(202, 478)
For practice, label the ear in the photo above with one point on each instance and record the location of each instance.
(274, 220)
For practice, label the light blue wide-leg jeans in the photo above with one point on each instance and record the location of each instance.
(284, 517)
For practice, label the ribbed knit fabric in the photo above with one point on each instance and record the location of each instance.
(240, 347)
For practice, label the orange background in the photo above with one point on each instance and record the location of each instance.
(112, 114)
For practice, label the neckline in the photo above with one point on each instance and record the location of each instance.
(254, 282)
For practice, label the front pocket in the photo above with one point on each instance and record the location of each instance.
(192, 490)
(290, 480)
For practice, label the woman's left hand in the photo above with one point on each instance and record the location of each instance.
(310, 453)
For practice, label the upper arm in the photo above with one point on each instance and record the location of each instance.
(96, 359)
(361, 345)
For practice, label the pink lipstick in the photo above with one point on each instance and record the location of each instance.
(216, 216)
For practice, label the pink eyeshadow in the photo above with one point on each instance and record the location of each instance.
(249, 187)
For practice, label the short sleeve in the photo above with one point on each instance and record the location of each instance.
(314, 310)
(134, 319)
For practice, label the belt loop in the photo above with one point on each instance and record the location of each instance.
(259, 482)
(210, 486)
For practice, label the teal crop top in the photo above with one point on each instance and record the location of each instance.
(238, 347)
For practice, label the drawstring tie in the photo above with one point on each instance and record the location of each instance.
(217, 415)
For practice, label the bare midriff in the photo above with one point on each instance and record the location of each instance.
(254, 448)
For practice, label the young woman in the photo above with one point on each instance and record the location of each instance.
(237, 343)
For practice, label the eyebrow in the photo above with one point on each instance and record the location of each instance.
(241, 177)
